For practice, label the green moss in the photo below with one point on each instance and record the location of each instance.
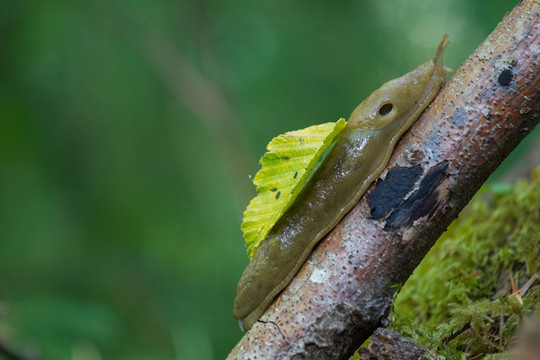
(464, 298)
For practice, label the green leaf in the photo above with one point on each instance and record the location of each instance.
(284, 170)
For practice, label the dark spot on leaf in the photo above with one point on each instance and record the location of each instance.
(277, 195)
(505, 77)
(259, 287)
(274, 189)
(295, 174)
(286, 158)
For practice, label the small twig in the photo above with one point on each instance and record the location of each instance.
(501, 325)
(528, 284)
(451, 337)
(477, 356)
(512, 282)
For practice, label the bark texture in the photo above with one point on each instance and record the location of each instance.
(344, 291)
(389, 345)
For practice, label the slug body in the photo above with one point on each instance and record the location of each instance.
(357, 158)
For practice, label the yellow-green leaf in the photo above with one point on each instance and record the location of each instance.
(284, 170)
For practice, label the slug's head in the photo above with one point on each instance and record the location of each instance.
(403, 99)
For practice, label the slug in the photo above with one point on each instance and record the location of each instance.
(358, 156)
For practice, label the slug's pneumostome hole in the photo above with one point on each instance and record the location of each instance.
(385, 109)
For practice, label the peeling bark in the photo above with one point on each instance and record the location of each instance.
(345, 289)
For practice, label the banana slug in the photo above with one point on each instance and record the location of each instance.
(357, 158)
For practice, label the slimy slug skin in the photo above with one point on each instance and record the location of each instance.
(357, 158)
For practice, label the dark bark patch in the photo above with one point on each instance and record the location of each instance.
(390, 192)
(505, 77)
(423, 202)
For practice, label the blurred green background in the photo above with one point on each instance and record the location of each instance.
(128, 131)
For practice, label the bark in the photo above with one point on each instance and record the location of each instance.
(345, 289)
(389, 345)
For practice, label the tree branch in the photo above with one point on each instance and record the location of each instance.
(345, 289)
(199, 94)
(389, 345)
(207, 101)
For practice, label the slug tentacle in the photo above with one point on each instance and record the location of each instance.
(350, 167)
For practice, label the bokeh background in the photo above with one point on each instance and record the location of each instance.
(129, 130)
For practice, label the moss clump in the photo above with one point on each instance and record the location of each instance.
(475, 285)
